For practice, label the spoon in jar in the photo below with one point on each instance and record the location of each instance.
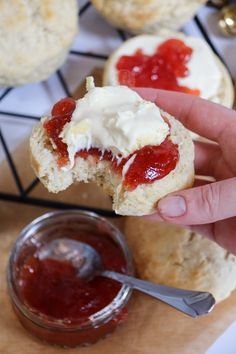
(88, 263)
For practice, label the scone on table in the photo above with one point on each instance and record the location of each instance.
(172, 61)
(35, 37)
(136, 152)
(171, 255)
(147, 16)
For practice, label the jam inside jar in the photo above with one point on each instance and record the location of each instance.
(49, 299)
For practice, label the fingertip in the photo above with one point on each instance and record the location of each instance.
(172, 206)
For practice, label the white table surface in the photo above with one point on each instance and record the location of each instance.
(95, 36)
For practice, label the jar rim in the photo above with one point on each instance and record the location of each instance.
(103, 315)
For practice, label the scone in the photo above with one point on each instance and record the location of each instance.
(170, 255)
(35, 38)
(172, 61)
(147, 16)
(128, 146)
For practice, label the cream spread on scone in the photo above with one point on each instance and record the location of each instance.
(204, 73)
(113, 119)
(119, 153)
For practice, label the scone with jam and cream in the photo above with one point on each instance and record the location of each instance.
(128, 146)
(171, 61)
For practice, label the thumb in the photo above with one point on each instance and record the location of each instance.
(200, 205)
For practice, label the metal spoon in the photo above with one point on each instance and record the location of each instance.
(88, 262)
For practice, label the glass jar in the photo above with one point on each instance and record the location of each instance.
(56, 225)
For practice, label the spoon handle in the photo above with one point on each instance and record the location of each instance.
(192, 303)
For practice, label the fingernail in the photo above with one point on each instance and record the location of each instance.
(172, 206)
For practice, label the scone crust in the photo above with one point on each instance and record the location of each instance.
(147, 16)
(142, 200)
(35, 38)
(174, 256)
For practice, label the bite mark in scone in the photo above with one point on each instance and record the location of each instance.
(128, 146)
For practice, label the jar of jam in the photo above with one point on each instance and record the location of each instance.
(49, 298)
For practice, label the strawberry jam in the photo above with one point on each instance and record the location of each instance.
(49, 299)
(61, 114)
(160, 70)
(52, 287)
(150, 162)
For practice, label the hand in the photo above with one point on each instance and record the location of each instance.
(210, 209)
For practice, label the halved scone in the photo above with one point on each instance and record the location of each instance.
(172, 61)
(128, 146)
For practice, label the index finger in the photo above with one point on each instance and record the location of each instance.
(203, 117)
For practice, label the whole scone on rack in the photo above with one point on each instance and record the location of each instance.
(147, 16)
(173, 61)
(128, 146)
(174, 256)
(35, 38)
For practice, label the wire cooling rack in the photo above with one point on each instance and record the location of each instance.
(23, 193)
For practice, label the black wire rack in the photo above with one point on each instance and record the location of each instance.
(23, 195)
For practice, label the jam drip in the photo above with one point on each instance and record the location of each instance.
(160, 70)
(52, 287)
(61, 114)
(150, 162)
